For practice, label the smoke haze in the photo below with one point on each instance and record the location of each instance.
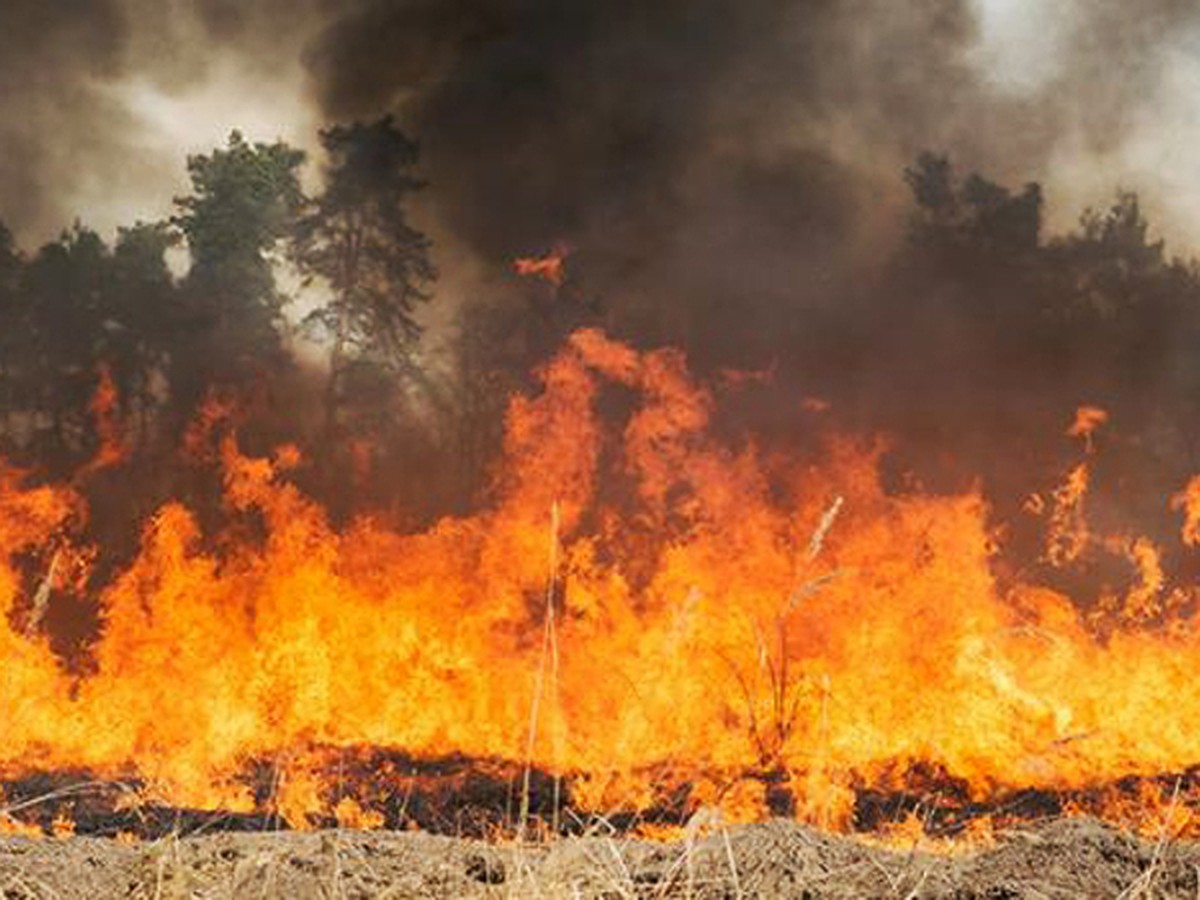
(728, 174)
(737, 154)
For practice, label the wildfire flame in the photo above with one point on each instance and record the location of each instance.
(1087, 420)
(638, 609)
(104, 407)
(552, 267)
(1189, 501)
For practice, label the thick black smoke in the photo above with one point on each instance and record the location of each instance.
(54, 123)
(730, 175)
(682, 147)
(727, 173)
(741, 158)
(73, 144)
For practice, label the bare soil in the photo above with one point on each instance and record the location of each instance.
(1066, 858)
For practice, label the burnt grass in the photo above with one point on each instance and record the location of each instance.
(475, 797)
(447, 831)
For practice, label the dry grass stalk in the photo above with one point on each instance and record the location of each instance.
(733, 866)
(1143, 885)
(82, 787)
(41, 598)
(784, 690)
(549, 654)
(170, 875)
(26, 888)
(817, 541)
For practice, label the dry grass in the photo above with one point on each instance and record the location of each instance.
(1060, 859)
(547, 658)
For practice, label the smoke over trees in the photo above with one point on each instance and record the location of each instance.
(978, 335)
(742, 180)
(357, 241)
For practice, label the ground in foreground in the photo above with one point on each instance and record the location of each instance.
(1063, 858)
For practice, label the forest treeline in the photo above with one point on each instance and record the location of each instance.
(970, 344)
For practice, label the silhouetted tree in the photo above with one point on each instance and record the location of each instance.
(973, 220)
(990, 336)
(244, 202)
(356, 240)
(139, 315)
(14, 355)
(73, 308)
(64, 287)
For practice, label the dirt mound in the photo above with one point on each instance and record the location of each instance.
(1065, 858)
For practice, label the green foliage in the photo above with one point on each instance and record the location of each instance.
(244, 202)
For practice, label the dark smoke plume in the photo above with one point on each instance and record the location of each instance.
(730, 175)
(72, 143)
(742, 158)
(661, 138)
(54, 122)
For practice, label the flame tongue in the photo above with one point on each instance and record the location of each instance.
(552, 267)
(773, 638)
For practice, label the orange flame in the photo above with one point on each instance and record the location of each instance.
(1087, 420)
(104, 407)
(1067, 535)
(552, 267)
(1189, 501)
(739, 626)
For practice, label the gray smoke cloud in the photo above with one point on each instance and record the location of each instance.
(744, 155)
(50, 54)
(728, 173)
(703, 147)
(103, 99)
